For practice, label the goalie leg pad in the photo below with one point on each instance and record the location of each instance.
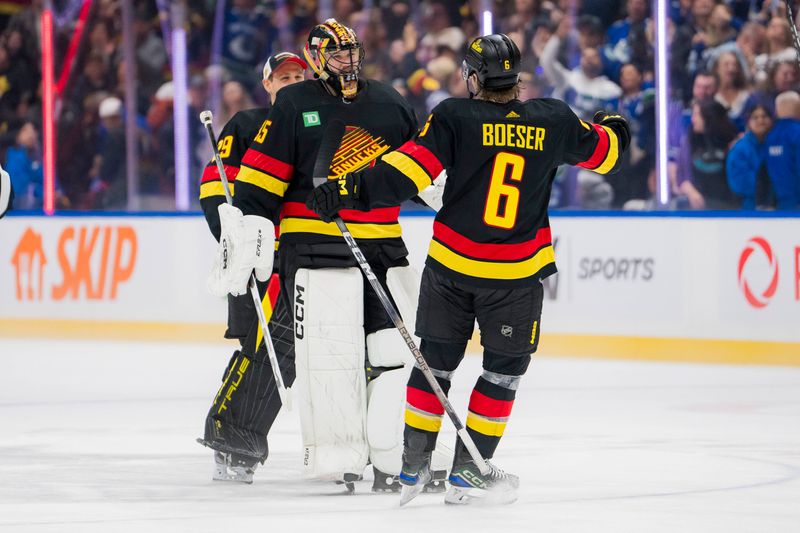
(386, 347)
(385, 419)
(387, 392)
(248, 401)
(331, 384)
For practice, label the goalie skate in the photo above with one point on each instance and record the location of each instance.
(229, 468)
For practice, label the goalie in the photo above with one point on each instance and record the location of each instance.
(351, 364)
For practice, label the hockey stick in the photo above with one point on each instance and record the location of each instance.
(793, 26)
(327, 150)
(206, 118)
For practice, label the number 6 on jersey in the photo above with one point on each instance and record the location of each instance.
(498, 188)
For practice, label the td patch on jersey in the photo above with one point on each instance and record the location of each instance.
(311, 118)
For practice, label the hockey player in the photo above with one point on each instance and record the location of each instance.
(237, 433)
(340, 327)
(491, 244)
(6, 192)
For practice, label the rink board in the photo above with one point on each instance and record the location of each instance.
(675, 288)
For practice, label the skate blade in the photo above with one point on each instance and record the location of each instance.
(479, 497)
(409, 492)
(232, 478)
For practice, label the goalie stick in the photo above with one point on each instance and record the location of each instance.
(206, 117)
(327, 150)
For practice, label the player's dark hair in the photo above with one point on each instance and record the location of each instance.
(499, 96)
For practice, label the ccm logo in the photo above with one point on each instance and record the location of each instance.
(299, 311)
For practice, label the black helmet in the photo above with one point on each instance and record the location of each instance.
(335, 54)
(495, 59)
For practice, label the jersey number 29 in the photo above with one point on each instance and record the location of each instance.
(494, 214)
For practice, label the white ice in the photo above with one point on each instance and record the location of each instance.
(99, 437)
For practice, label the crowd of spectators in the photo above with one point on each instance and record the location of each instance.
(734, 114)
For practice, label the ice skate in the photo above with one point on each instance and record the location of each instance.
(414, 475)
(469, 485)
(349, 482)
(385, 482)
(234, 467)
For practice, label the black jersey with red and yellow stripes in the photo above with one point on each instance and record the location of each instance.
(493, 229)
(234, 140)
(276, 173)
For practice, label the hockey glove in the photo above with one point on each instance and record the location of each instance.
(246, 244)
(334, 195)
(433, 194)
(6, 192)
(618, 124)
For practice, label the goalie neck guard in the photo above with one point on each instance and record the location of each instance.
(335, 55)
(495, 60)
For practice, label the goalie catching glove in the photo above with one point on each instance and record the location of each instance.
(246, 244)
(334, 195)
(618, 124)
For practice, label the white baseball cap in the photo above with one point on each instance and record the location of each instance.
(110, 107)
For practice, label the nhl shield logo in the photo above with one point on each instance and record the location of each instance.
(506, 331)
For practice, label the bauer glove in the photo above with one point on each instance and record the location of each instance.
(246, 244)
(334, 195)
(618, 124)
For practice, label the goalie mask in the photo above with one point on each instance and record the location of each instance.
(335, 55)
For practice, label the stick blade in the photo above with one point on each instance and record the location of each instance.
(331, 140)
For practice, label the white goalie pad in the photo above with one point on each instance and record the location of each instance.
(386, 347)
(386, 421)
(331, 384)
(387, 392)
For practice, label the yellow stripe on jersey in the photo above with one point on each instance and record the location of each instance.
(485, 426)
(613, 152)
(214, 188)
(262, 180)
(410, 169)
(488, 269)
(358, 230)
(424, 422)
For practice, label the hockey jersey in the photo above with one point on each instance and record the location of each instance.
(276, 173)
(493, 229)
(234, 140)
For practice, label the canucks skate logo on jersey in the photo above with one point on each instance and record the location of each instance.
(357, 150)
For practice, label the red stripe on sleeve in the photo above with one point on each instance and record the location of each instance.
(210, 173)
(600, 151)
(424, 401)
(424, 157)
(490, 251)
(483, 405)
(270, 165)
(375, 216)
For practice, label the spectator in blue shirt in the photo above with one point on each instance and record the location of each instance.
(747, 162)
(24, 164)
(783, 151)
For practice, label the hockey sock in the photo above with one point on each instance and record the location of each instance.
(424, 413)
(492, 399)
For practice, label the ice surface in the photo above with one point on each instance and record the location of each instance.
(99, 437)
